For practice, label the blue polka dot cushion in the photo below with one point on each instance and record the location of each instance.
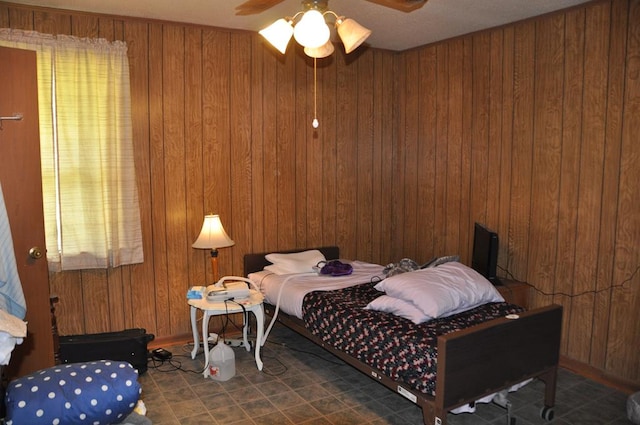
(93, 393)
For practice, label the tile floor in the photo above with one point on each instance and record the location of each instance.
(302, 384)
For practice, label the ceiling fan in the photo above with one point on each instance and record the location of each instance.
(252, 7)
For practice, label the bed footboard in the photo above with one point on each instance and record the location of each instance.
(495, 355)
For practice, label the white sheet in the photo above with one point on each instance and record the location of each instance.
(296, 286)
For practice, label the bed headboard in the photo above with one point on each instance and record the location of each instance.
(257, 262)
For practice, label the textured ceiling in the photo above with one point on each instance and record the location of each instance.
(394, 30)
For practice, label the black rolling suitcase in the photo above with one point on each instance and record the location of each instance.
(128, 345)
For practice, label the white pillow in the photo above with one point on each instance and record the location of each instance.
(398, 307)
(441, 291)
(297, 262)
(275, 269)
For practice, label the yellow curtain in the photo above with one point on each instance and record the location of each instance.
(92, 217)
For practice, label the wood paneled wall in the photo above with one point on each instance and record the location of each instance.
(531, 128)
(222, 124)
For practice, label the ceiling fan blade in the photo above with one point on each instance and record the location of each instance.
(401, 5)
(252, 7)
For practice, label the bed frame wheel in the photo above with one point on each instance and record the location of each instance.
(546, 413)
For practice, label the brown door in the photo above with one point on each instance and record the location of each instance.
(22, 187)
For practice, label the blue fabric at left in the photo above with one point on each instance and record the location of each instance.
(98, 393)
(11, 295)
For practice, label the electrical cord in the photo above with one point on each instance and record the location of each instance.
(592, 291)
(282, 344)
(170, 365)
(173, 364)
(273, 370)
(227, 320)
(245, 316)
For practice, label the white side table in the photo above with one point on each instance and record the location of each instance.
(251, 304)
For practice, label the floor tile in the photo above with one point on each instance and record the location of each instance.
(302, 384)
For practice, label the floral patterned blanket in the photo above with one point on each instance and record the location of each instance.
(402, 350)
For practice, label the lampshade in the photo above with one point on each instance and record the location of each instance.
(278, 34)
(312, 31)
(351, 33)
(320, 52)
(212, 236)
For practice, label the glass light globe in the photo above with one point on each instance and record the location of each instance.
(312, 31)
(278, 34)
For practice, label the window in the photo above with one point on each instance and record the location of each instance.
(90, 199)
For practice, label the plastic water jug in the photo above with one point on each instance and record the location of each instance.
(222, 362)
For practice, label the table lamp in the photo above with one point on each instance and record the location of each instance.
(212, 236)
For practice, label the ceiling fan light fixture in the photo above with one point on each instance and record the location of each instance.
(312, 30)
(278, 34)
(351, 33)
(320, 52)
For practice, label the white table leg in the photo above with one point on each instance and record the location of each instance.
(258, 311)
(245, 332)
(194, 330)
(205, 335)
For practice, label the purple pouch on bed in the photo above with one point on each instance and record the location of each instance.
(335, 268)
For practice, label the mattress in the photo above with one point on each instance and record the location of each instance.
(288, 291)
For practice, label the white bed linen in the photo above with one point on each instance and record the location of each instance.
(296, 286)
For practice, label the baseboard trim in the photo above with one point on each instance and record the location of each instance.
(166, 341)
(598, 375)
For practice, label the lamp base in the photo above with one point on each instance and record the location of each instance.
(214, 265)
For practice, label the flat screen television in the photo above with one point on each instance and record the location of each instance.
(484, 259)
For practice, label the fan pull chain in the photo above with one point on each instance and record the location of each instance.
(315, 95)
